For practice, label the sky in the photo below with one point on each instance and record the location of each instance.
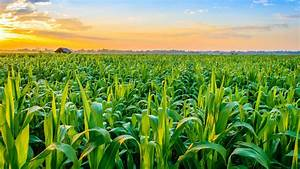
(150, 24)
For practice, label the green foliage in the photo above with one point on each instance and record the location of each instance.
(149, 111)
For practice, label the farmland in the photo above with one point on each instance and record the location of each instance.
(149, 111)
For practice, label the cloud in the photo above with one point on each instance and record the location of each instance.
(63, 35)
(247, 31)
(205, 31)
(38, 1)
(193, 12)
(20, 8)
(23, 14)
(293, 0)
(66, 35)
(37, 21)
(35, 17)
(221, 7)
(257, 27)
(263, 2)
(229, 35)
(3, 4)
(71, 24)
(288, 17)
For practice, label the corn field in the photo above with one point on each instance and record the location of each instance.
(149, 111)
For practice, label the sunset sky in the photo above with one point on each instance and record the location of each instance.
(151, 24)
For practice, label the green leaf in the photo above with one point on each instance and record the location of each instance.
(90, 147)
(86, 107)
(49, 135)
(108, 159)
(242, 124)
(252, 151)
(102, 135)
(291, 154)
(97, 110)
(290, 133)
(68, 151)
(295, 162)
(181, 125)
(224, 116)
(63, 102)
(145, 128)
(29, 115)
(22, 144)
(212, 146)
(10, 145)
(2, 154)
(63, 131)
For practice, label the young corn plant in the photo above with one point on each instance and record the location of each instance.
(15, 124)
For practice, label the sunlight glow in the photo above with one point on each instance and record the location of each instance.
(6, 35)
(3, 35)
(181, 25)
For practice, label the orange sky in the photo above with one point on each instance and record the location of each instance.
(51, 24)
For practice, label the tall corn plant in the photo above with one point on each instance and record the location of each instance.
(54, 133)
(147, 146)
(14, 124)
(163, 133)
(93, 120)
(101, 152)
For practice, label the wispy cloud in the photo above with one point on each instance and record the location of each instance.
(63, 35)
(288, 17)
(71, 24)
(38, 1)
(229, 35)
(208, 32)
(246, 31)
(221, 7)
(258, 27)
(193, 12)
(263, 2)
(66, 35)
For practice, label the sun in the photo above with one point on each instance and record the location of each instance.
(3, 34)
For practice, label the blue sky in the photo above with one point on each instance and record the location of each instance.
(244, 23)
